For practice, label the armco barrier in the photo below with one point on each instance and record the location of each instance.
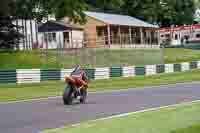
(177, 67)
(198, 64)
(115, 72)
(90, 73)
(185, 66)
(193, 65)
(102, 73)
(150, 70)
(160, 69)
(129, 71)
(140, 71)
(37, 75)
(65, 72)
(169, 68)
(187, 46)
(8, 76)
(28, 76)
(51, 74)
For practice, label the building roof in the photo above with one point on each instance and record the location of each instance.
(57, 26)
(123, 20)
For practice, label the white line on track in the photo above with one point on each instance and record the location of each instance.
(132, 113)
(101, 92)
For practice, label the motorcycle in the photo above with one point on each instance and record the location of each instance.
(73, 90)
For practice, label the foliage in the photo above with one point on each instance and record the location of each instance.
(106, 5)
(42, 9)
(162, 12)
(8, 34)
(11, 10)
(197, 3)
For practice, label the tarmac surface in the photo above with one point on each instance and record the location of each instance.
(38, 115)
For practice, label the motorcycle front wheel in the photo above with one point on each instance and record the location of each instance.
(83, 96)
(67, 95)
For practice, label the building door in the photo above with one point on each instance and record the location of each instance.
(66, 40)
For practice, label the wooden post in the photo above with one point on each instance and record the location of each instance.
(120, 36)
(158, 38)
(150, 37)
(141, 36)
(147, 37)
(18, 41)
(36, 33)
(31, 26)
(71, 40)
(26, 35)
(47, 40)
(130, 35)
(108, 30)
(23, 32)
(104, 38)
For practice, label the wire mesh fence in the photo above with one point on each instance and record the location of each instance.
(103, 51)
(104, 55)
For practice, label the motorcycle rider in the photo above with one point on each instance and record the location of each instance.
(81, 78)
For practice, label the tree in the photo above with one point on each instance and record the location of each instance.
(183, 11)
(11, 10)
(197, 4)
(8, 34)
(162, 12)
(41, 9)
(71, 8)
(147, 10)
(106, 5)
(4, 7)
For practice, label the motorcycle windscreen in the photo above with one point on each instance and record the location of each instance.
(76, 72)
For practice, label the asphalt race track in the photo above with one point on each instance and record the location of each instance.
(35, 116)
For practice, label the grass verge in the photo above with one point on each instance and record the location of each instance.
(46, 89)
(95, 58)
(191, 129)
(175, 55)
(88, 58)
(159, 121)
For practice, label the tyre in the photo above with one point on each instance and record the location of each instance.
(83, 96)
(67, 95)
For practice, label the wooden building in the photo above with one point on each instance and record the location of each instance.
(111, 30)
(101, 30)
(57, 34)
